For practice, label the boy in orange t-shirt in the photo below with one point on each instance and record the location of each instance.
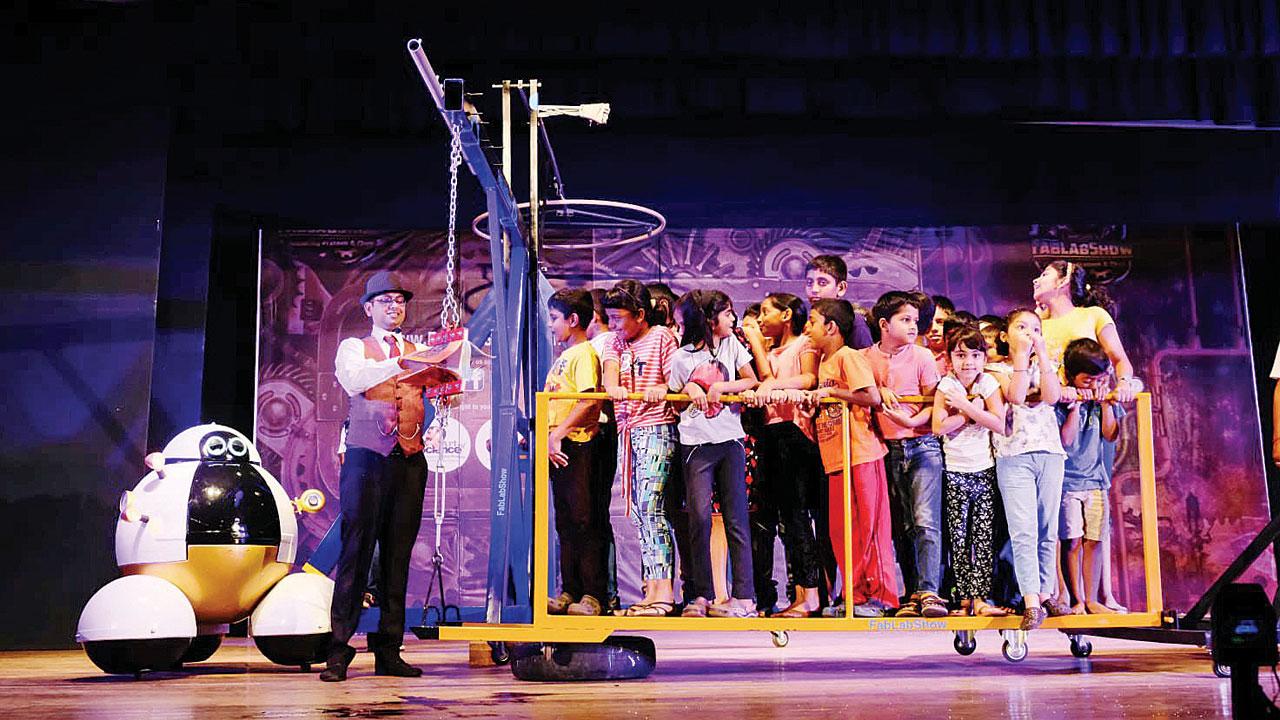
(845, 375)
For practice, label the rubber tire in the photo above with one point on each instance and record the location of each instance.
(617, 658)
(202, 648)
(781, 638)
(298, 650)
(1222, 671)
(1081, 648)
(1006, 650)
(131, 657)
(965, 648)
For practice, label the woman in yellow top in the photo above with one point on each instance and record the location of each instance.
(1073, 309)
(1071, 312)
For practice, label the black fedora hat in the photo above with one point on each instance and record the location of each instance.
(383, 282)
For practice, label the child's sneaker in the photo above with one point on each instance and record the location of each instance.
(734, 608)
(869, 609)
(587, 606)
(932, 606)
(833, 611)
(910, 608)
(558, 604)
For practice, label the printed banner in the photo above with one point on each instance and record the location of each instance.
(1178, 308)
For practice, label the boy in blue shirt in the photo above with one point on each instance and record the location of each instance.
(1084, 422)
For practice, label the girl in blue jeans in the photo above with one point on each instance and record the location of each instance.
(1029, 464)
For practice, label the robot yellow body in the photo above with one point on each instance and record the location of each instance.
(207, 538)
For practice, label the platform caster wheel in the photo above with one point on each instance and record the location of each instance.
(1081, 648)
(780, 638)
(965, 642)
(299, 651)
(498, 653)
(1014, 648)
(1014, 652)
(132, 657)
(617, 658)
(1222, 671)
(305, 667)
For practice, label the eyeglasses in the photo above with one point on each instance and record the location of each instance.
(389, 301)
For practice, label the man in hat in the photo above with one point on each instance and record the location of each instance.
(382, 480)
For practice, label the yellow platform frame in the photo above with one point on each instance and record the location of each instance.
(563, 628)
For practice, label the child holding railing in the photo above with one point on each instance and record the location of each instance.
(844, 374)
(712, 363)
(1029, 466)
(639, 361)
(965, 426)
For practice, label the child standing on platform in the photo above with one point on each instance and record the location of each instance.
(790, 472)
(576, 484)
(712, 363)
(965, 426)
(1029, 464)
(844, 374)
(1085, 422)
(639, 361)
(914, 462)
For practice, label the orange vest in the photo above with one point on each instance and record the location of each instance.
(387, 413)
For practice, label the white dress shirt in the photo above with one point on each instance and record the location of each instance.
(356, 373)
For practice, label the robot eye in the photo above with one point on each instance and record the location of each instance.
(237, 447)
(214, 447)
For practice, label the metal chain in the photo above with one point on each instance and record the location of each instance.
(450, 311)
(440, 477)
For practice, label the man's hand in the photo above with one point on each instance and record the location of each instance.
(558, 458)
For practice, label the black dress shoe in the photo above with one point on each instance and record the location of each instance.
(390, 663)
(336, 668)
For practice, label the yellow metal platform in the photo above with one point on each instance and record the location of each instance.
(561, 628)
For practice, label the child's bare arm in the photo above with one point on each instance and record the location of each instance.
(1070, 429)
(1110, 423)
(944, 422)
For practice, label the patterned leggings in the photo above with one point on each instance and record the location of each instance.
(971, 523)
(653, 450)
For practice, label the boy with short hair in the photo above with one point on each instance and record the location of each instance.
(827, 277)
(843, 373)
(914, 463)
(576, 484)
(1085, 423)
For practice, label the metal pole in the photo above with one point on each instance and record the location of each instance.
(506, 160)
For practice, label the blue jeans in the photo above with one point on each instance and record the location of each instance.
(1031, 488)
(914, 466)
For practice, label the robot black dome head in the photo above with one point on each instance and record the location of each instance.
(225, 446)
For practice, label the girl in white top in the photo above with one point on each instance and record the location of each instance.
(966, 426)
(1029, 465)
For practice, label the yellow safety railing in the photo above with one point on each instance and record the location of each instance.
(566, 628)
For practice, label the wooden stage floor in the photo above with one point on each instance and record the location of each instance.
(720, 675)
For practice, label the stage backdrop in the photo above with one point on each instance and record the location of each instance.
(1179, 310)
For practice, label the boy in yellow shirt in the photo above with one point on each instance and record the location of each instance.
(579, 492)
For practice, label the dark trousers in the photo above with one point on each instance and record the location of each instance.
(789, 471)
(722, 466)
(381, 502)
(674, 501)
(607, 471)
(581, 521)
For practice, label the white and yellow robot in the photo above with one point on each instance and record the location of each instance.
(207, 538)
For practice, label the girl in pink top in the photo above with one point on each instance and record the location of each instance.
(789, 478)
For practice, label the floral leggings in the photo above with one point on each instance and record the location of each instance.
(971, 524)
(648, 455)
